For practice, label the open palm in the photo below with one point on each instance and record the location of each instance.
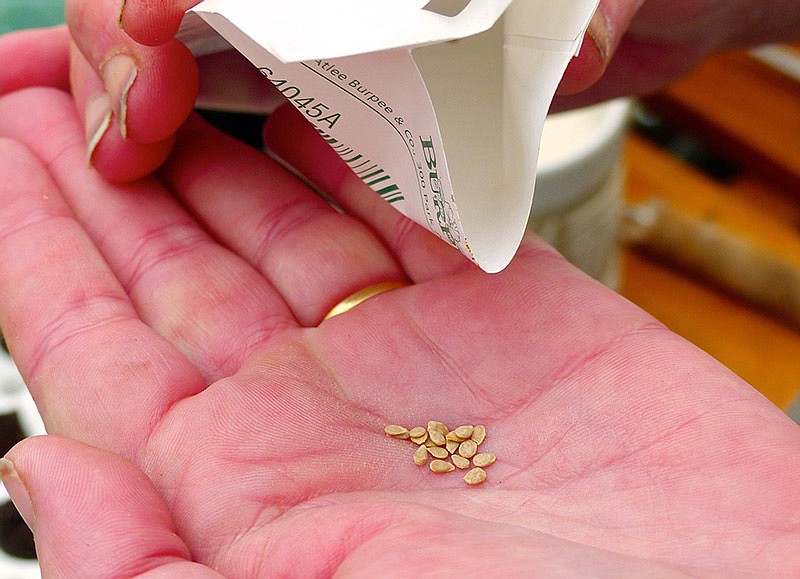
(176, 323)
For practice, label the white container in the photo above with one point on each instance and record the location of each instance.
(579, 187)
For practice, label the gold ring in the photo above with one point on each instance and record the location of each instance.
(363, 295)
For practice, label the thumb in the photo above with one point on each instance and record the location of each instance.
(152, 22)
(93, 514)
(605, 32)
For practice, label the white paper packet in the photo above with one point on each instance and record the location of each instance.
(441, 115)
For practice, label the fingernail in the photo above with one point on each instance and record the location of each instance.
(120, 13)
(16, 491)
(119, 74)
(601, 32)
(98, 119)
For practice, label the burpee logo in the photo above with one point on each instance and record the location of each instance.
(445, 216)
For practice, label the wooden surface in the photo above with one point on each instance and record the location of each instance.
(743, 109)
(750, 114)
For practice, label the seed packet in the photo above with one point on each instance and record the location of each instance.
(438, 106)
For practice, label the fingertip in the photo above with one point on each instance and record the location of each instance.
(152, 23)
(130, 117)
(121, 161)
(590, 63)
(17, 491)
(152, 101)
(152, 88)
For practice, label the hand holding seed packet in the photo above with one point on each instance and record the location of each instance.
(158, 81)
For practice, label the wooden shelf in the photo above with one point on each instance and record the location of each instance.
(749, 113)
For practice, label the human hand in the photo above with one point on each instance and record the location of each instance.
(175, 324)
(638, 46)
(132, 97)
(129, 63)
(135, 84)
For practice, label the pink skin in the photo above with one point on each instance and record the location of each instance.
(149, 101)
(639, 46)
(205, 423)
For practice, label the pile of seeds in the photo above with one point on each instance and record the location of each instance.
(450, 449)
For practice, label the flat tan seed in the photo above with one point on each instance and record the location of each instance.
(475, 477)
(396, 431)
(421, 456)
(464, 432)
(440, 466)
(451, 446)
(438, 452)
(478, 434)
(417, 432)
(438, 427)
(460, 461)
(437, 438)
(420, 440)
(483, 459)
(453, 437)
(467, 449)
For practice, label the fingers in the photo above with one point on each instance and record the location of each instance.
(210, 304)
(422, 255)
(605, 32)
(116, 158)
(152, 89)
(313, 255)
(48, 48)
(71, 328)
(81, 503)
(152, 22)
(146, 92)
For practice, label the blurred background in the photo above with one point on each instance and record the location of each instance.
(18, 14)
(687, 202)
